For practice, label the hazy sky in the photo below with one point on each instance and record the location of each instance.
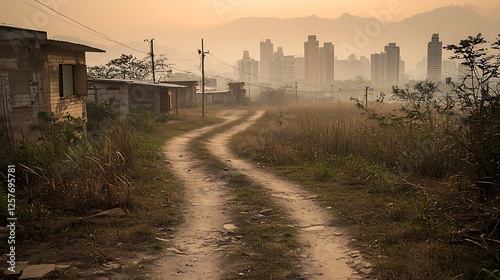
(178, 22)
(126, 19)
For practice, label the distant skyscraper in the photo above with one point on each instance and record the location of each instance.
(300, 67)
(266, 56)
(277, 67)
(378, 68)
(352, 67)
(327, 61)
(402, 69)
(422, 69)
(248, 69)
(311, 56)
(386, 67)
(450, 69)
(392, 56)
(434, 58)
(289, 70)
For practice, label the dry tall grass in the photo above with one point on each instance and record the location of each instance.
(403, 188)
(315, 131)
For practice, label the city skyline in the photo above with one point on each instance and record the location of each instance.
(368, 36)
(320, 67)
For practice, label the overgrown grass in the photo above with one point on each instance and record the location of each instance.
(403, 193)
(52, 232)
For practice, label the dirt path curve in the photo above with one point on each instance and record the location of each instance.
(324, 254)
(195, 247)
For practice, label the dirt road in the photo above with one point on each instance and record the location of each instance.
(195, 253)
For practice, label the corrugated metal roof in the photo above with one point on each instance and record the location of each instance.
(167, 85)
(136, 82)
(72, 46)
(215, 92)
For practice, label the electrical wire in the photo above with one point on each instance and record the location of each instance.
(237, 68)
(86, 28)
(80, 25)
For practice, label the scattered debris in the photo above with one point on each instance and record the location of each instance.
(266, 212)
(176, 251)
(258, 216)
(162, 239)
(115, 212)
(62, 266)
(34, 271)
(113, 266)
(362, 265)
(20, 266)
(315, 228)
(229, 227)
(37, 271)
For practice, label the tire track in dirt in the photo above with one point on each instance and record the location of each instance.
(196, 251)
(324, 252)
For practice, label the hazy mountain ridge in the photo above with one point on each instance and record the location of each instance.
(362, 35)
(349, 33)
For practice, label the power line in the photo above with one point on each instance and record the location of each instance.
(87, 28)
(38, 8)
(239, 69)
(175, 59)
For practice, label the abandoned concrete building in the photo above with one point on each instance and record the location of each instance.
(37, 75)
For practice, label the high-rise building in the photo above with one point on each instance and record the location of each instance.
(312, 67)
(289, 69)
(434, 58)
(450, 69)
(378, 68)
(248, 69)
(402, 72)
(300, 67)
(277, 67)
(266, 56)
(393, 58)
(421, 69)
(386, 66)
(352, 68)
(327, 61)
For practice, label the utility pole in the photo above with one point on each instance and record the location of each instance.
(366, 97)
(202, 52)
(296, 95)
(152, 54)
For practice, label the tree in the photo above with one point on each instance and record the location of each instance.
(420, 103)
(129, 67)
(274, 96)
(478, 109)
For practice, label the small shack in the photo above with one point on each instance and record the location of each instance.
(130, 93)
(185, 97)
(37, 75)
(238, 92)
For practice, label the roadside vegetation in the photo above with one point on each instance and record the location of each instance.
(416, 181)
(67, 179)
